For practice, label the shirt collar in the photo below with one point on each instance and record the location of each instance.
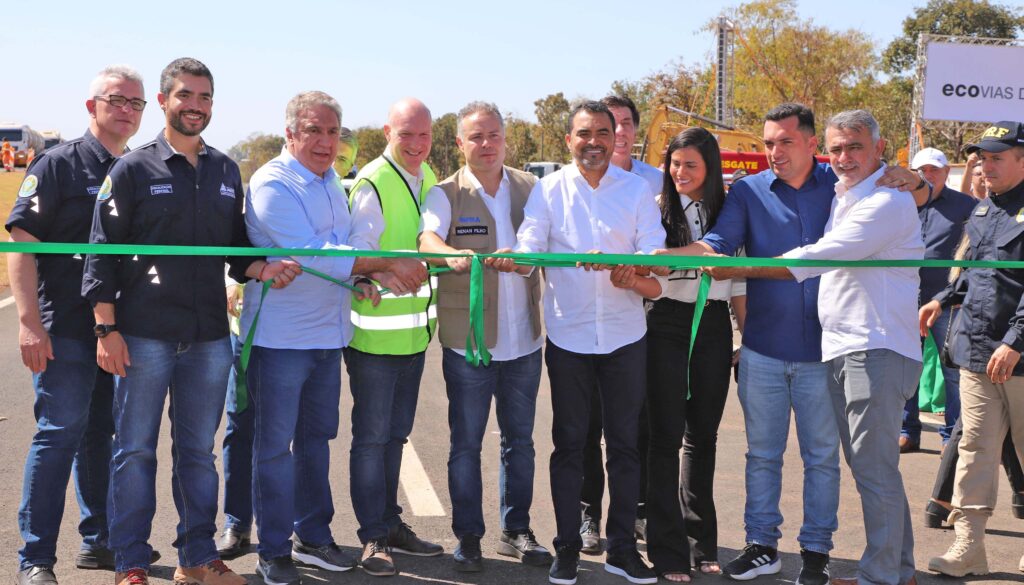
(167, 151)
(300, 169)
(1010, 196)
(862, 189)
(97, 147)
(818, 171)
(479, 186)
(409, 177)
(572, 171)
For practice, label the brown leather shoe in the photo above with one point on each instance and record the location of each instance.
(132, 577)
(908, 446)
(212, 573)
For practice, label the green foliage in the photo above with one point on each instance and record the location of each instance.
(254, 152)
(371, 144)
(552, 112)
(445, 157)
(521, 142)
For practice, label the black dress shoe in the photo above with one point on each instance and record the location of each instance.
(468, 558)
(102, 559)
(37, 575)
(935, 515)
(523, 545)
(233, 543)
(402, 539)
(1018, 505)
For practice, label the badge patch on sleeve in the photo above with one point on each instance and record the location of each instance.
(105, 190)
(29, 186)
(227, 191)
(470, 230)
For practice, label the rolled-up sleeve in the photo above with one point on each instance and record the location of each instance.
(730, 231)
(437, 213)
(367, 215)
(650, 234)
(534, 232)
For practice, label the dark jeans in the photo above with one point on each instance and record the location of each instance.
(385, 389)
(912, 411)
(591, 499)
(237, 453)
(73, 434)
(514, 385)
(295, 394)
(943, 488)
(619, 378)
(196, 376)
(690, 425)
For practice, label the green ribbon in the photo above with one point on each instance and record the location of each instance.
(698, 312)
(476, 344)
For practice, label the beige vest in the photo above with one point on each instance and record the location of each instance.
(472, 227)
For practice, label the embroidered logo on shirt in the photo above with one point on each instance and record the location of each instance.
(29, 186)
(981, 211)
(162, 189)
(470, 230)
(227, 191)
(105, 190)
(466, 218)
(92, 190)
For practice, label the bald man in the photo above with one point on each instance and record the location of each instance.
(385, 357)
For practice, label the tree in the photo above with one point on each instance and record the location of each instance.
(445, 157)
(371, 144)
(552, 113)
(254, 152)
(521, 144)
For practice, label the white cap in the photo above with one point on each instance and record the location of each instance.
(929, 156)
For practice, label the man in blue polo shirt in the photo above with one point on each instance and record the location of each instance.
(73, 396)
(171, 327)
(781, 370)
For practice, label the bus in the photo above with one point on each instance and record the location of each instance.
(22, 138)
(51, 138)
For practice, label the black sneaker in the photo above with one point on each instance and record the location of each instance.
(1017, 503)
(468, 558)
(524, 546)
(815, 570)
(102, 559)
(755, 560)
(567, 564)
(233, 543)
(376, 559)
(628, 564)
(590, 532)
(37, 575)
(328, 556)
(278, 571)
(402, 539)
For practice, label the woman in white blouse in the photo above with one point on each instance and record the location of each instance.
(691, 199)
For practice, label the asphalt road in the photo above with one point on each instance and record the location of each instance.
(428, 509)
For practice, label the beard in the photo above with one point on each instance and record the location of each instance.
(179, 125)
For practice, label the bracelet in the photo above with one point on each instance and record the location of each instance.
(363, 280)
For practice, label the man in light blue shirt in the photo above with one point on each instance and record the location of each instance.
(294, 375)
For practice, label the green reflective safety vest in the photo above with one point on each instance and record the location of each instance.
(398, 325)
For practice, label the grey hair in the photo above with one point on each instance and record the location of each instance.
(479, 107)
(305, 101)
(123, 72)
(856, 120)
(349, 137)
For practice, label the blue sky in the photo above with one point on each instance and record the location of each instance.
(367, 55)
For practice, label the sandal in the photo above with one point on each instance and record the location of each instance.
(710, 568)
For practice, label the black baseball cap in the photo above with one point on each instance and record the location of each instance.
(1002, 136)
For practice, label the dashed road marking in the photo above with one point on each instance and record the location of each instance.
(7, 302)
(416, 485)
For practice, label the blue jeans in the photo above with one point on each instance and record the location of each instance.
(196, 375)
(514, 385)
(73, 435)
(237, 453)
(295, 395)
(385, 389)
(911, 409)
(768, 390)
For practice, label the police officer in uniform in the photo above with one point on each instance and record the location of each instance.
(988, 339)
(73, 396)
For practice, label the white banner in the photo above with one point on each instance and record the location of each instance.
(974, 83)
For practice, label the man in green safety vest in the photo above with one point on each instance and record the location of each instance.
(385, 357)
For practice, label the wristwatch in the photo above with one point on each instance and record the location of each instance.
(102, 329)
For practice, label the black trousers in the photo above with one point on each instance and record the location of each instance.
(680, 502)
(593, 464)
(943, 488)
(618, 380)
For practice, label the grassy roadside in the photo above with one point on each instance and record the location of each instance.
(9, 184)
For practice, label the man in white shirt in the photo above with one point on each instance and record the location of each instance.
(596, 330)
(870, 338)
(477, 210)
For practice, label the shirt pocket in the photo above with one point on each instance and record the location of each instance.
(1009, 241)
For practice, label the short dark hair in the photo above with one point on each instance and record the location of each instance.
(621, 101)
(591, 107)
(177, 67)
(804, 115)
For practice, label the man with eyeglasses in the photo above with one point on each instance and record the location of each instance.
(170, 335)
(73, 396)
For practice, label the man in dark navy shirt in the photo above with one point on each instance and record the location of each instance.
(171, 328)
(942, 226)
(988, 338)
(73, 396)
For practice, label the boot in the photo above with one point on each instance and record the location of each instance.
(966, 556)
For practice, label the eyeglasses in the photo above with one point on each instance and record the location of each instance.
(119, 101)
